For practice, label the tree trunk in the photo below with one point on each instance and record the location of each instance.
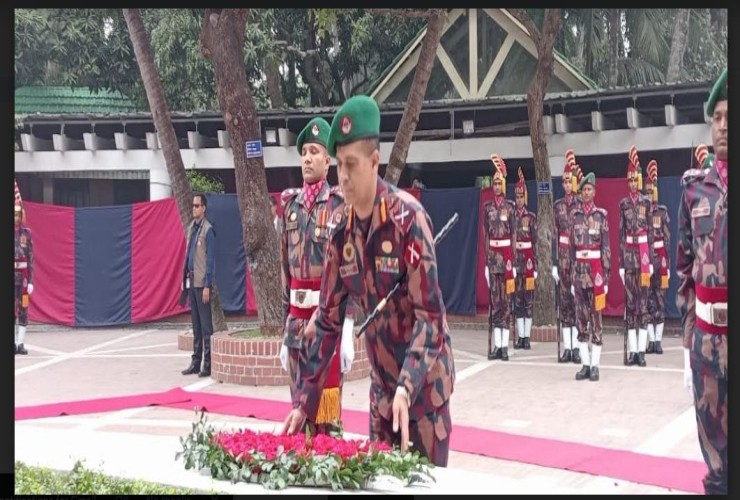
(615, 32)
(580, 46)
(678, 45)
(544, 305)
(311, 67)
(273, 83)
(222, 41)
(291, 91)
(166, 131)
(410, 118)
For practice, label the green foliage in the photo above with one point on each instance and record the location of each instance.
(82, 481)
(289, 469)
(204, 183)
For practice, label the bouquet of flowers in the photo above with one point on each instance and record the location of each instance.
(278, 461)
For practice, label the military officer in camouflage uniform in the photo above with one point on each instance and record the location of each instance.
(635, 260)
(525, 264)
(561, 272)
(701, 264)
(381, 236)
(305, 221)
(23, 275)
(499, 224)
(591, 256)
(658, 221)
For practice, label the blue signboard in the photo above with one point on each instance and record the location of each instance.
(543, 187)
(254, 149)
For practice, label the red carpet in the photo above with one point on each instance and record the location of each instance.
(666, 472)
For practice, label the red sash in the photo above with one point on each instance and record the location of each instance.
(711, 295)
(644, 252)
(529, 263)
(597, 272)
(23, 271)
(505, 252)
(663, 256)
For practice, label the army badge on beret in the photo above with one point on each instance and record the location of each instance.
(346, 125)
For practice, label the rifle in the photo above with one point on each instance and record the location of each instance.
(557, 310)
(625, 327)
(490, 320)
(384, 301)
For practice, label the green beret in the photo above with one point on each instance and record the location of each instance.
(358, 118)
(316, 131)
(587, 179)
(708, 161)
(718, 93)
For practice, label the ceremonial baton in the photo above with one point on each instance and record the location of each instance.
(381, 305)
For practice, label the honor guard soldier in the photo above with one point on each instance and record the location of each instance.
(499, 223)
(591, 255)
(659, 227)
(381, 237)
(561, 271)
(635, 260)
(525, 264)
(23, 276)
(306, 213)
(701, 265)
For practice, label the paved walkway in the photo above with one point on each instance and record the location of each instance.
(644, 410)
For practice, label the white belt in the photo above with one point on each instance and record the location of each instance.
(21, 265)
(640, 239)
(588, 254)
(564, 240)
(658, 244)
(523, 245)
(304, 299)
(712, 313)
(499, 243)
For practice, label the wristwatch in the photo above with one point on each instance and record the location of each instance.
(403, 392)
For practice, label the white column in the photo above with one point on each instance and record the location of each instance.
(48, 186)
(159, 184)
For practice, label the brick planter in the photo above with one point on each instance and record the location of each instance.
(255, 361)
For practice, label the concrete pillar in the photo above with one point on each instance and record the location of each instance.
(48, 190)
(160, 186)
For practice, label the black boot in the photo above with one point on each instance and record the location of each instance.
(519, 344)
(193, 368)
(650, 348)
(594, 374)
(566, 357)
(577, 356)
(641, 359)
(16, 349)
(21, 349)
(206, 371)
(584, 373)
(631, 359)
(497, 353)
(526, 344)
(658, 347)
(504, 354)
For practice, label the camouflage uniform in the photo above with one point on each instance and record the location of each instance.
(499, 223)
(563, 211)
(591, 257)
(23, 277)
(635, 258)
(659, 227)
(701, 264)
(525, 262)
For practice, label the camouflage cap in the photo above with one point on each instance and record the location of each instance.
(316, 131)
(718, 93)
(589, 178)
(358, 118)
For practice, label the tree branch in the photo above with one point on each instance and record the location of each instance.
(411, 13)
(522, 16)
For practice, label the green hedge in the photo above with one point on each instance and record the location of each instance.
(81, 481)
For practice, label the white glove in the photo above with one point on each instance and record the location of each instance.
(573, 290)
(514, 269)
(347, 348)
(488, 277)
(687, 375)
(651, 269)
(284, 357)
(669, 274)
(30, 288)
(535, 275)
(621, 275)
(555, 274)
(606, 289)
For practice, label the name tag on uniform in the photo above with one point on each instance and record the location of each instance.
(701, 211)
(386, 264)
(348, 270)
(504, 217)
(291, 225)
(593, 231)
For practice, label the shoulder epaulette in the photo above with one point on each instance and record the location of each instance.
(601, 210)
(288, 195)
(691, 175)
(402, 208)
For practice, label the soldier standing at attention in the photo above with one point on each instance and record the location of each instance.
(380, 236)
(526, 264)
(701, 264)
(561, 271)
(591, 255)
(303, 240)
(23, 276)
(635, 260)
(659, 227)
(499, 223)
